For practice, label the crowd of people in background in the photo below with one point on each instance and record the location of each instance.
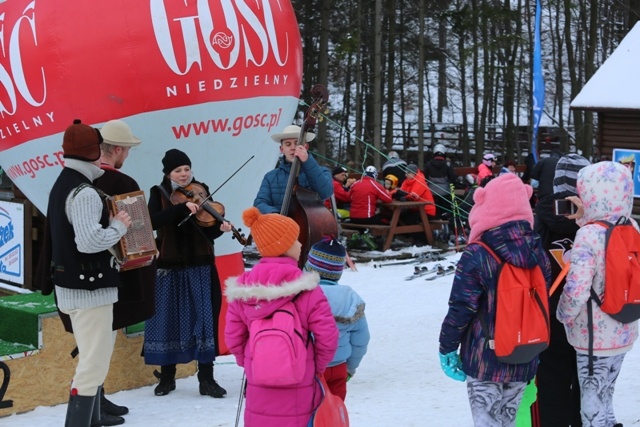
(449, 197)
(498, 205)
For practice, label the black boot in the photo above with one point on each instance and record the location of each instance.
(167, 380)
(108, 420)
(99, 417)
(79, 411)
(209, 386)
(111, 408)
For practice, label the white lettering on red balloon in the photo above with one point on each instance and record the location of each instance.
(13, 79)
(77, 59)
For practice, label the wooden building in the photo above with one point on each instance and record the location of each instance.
(613, 93)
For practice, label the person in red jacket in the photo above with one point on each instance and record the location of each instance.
(365, 194)
(485, 169)
(341, 186)
(414, 188)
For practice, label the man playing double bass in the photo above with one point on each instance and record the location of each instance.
(312, 176)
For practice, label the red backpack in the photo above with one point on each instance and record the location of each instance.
(621, 299)
(522, 313)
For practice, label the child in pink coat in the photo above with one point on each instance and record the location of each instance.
(256, 294)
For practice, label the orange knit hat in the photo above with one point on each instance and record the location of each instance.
(273, 233)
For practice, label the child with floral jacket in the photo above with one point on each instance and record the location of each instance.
(605, 193)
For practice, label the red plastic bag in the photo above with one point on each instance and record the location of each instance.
(332, 411)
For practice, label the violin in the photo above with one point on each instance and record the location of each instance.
(209, 212)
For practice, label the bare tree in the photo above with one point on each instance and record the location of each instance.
(421, 74)
(377, 83)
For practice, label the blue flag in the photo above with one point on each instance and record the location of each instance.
(538, 83)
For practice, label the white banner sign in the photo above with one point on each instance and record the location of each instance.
(12, 242)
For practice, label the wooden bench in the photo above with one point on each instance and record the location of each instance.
(376, 230)
(395, 227)
(349, 229)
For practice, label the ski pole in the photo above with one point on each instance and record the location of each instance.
(455, 213)
(243, 387)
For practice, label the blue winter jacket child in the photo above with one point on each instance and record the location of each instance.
(348, 311)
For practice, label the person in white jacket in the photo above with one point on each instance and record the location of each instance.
(605, 192)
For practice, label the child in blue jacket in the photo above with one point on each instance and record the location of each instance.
(327, 258)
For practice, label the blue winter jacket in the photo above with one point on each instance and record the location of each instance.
(348, 311)
(473, 293)
(312, 176)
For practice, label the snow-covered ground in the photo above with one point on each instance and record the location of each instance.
(399, 382)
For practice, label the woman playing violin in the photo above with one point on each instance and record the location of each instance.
(188, 293)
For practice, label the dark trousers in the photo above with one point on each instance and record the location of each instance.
(558, 403)
(443, 205)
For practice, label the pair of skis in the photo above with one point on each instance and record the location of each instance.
(433, 273)
(425, 257)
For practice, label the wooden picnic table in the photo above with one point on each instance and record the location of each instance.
(397, 207)
(395, 227)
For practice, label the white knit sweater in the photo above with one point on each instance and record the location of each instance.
(84, 212)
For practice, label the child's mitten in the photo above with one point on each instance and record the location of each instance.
(452, 366)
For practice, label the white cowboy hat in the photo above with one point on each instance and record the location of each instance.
(292, 131)
(117, 132)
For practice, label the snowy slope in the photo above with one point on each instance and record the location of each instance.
(398, 384)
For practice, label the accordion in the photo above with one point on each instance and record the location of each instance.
(137, 248)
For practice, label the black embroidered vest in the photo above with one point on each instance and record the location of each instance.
(71, 268)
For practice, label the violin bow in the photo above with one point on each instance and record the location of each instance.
(216, 190)
(231, 176)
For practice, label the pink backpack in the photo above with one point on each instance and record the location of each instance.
(278, 346)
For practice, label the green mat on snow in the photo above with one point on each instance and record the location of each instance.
(19, 321)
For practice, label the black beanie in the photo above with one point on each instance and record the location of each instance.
(337, 170)
(174, 158)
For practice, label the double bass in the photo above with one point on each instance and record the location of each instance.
(301, 204)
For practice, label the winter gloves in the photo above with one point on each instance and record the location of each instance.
(452, 366)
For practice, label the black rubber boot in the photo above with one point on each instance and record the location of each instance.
(108, 420)
(208, 385)
(98, 417)
(110, 408)
(79, 411)
(167, 380)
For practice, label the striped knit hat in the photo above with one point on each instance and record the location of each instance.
(566, 175)
(327, 258)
